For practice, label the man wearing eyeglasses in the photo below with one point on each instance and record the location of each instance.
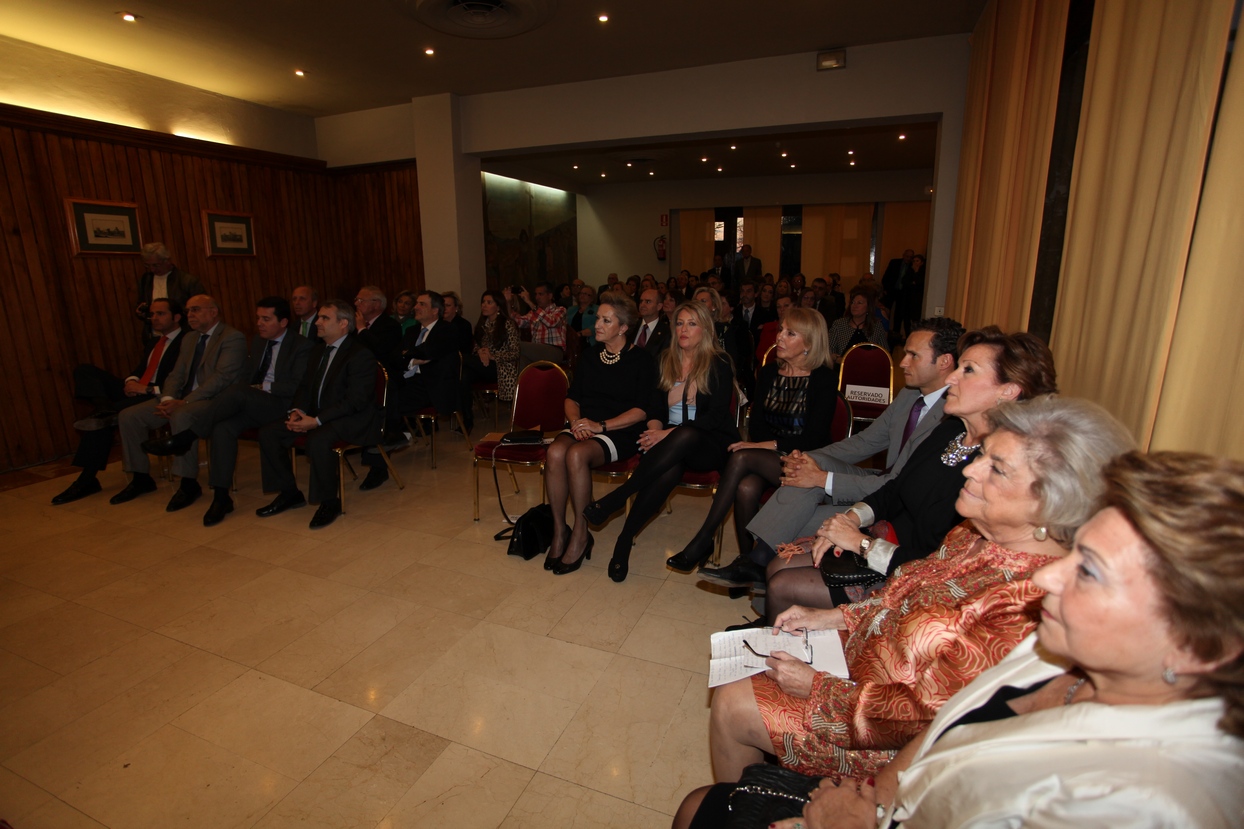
(378, 331)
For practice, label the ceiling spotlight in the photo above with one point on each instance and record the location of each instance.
(792, 166)
(651, 173)
(783, 155)
(629, 164)
(705, 158)
(850, 152)
(129, 17)
(719, 169)
(852, 163)
(902, 137)
(602, 175)
(604, 18)
(733, 147)
(300, 73)
(576, 166)
(429, 51)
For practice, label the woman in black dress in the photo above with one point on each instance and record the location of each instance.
(605, 423)
(793, 409)
(690, 424)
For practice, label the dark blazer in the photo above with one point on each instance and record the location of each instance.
(818, 418)
(737, 341)
(349, 394)
(384, 339)
(723, 274)
(220, 367)
(661, 336)
(919, 502)
(759, 317)
(463, 332)
(440, 375)
(754, 270)
(181, 286)
(168, 360)
(712, 409)
(291, 363)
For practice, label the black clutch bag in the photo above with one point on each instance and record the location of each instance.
(768, 793)
(525, 437)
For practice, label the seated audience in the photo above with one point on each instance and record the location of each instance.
(769, 331)
(109, 394)
(793, 408)
(652, 329)
(304, 303)
(203, 371)
(858, 325)
(545, 319)
(464, 334)
(605, 424)
(263, 394)
(495, 357)
(1125, 708)
(403, 305)
(691, 422)
(582, 315)
(335, 402)
(920, 503)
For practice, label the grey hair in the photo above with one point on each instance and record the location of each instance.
(157, 250)
(1068, 441)
(372, 289)
(343, 311)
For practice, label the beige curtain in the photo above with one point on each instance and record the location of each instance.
(1017, 50)
(762, 229)
(1203, 387)
(695, 239)
(904, 224)
(1150, 93)
(836, 239)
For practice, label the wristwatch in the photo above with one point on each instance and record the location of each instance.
(865, 545)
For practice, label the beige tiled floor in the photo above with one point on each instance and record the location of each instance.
(394, 670)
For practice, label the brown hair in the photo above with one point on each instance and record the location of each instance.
(624, 310)
(1020, 358)
(1189, 510)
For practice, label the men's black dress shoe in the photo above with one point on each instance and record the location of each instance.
(282, 502)
(376, 476)
(326, 514)
(140, 484)
(742, 572)
(78, 490)
(217, 511)
(178, 444)
(185, 495)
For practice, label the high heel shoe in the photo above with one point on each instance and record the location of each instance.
(691, 557)
(549, 561)
(598, 511)
(561, 568)
(618, 570)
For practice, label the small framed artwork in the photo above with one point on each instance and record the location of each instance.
(228, 234)
(103, 226)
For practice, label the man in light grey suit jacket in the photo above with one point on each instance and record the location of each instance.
(202, 372)
(826, 481)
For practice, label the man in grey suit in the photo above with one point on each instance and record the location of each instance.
(826, 481)
(202, 372)
(262, 395)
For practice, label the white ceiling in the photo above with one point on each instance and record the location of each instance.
(369, 53)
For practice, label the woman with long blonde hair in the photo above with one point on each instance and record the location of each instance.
(690, 425)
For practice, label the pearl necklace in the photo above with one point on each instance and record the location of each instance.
(609, 357)
(956, 453)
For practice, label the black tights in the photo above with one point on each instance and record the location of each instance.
(568, 478)
(794, 582)
(655, 478)
(748, 473)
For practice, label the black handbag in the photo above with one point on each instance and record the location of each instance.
(768, 793)
(525, 437)
(851, 569)
(532, 534)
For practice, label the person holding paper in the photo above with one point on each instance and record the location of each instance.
(940, 621)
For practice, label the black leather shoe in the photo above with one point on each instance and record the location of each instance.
(742, 572)
(376, 476)
(618, 570)
(282, 502)
(217, 511)
(691, 557)
(185, 495)
(78, 490)
(598, 512)
(140, 484)
(178, 444)
(561, 568)
(326, 514)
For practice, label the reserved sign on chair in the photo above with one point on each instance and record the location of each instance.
(879, 395)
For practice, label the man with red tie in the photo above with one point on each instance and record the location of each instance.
(109, 394)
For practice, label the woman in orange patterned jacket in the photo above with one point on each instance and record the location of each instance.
(940, 621)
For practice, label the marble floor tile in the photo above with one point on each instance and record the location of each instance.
(550, 803)
(257, 541)
(56, 814)
(17, 601)
(377, 566)
(68, 573)
(670, 642)
(358, 785)
(274, 723)
(447, 590)
(20, 677)
(67, 636)
(463, 789)
(287, 593)
(607, 612)
(323, 558)
(201, 785)
(136, 547)
(681, 761)
(539, 606)
(19, 797)
(619, 729)
(240, 631)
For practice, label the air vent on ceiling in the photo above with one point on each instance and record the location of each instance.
(485, 19)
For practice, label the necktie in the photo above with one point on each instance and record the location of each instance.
(264, 364)
(423, 335)
(747, 316)
(306, 326)
(153, 364)
(912, 419)
(322, 371)
(642, 339)
(194, 361)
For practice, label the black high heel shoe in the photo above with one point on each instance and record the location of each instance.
(598, 511)
(691, 557)
(561, 568)
(549, 561)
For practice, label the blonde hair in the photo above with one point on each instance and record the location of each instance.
(810, 325)
(714, 301)
(701, 359)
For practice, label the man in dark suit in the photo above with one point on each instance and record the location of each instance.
(162, 280)
(747, 266)
(110, 394)
(892, 280)
(652, 332)
(336, 401)
(205, 369)
(718, 270)
(278, 361)
(377, 330)
(748, 312)
(823, 482)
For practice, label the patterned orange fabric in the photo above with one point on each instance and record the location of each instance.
(938, 624)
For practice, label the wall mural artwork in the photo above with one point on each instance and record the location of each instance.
(530, 233)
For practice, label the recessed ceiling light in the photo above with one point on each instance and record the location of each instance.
(902, 137)
(852, 163)
(783, 155)
(300, 73)
(719, 169)
(629, 164)
(604, 18)
(129, 17)
(602, 175)
(651, 173)
(850, 152)
(576, 166)
(705, 158)
(792, 166)
(733, 147)
(429, 51)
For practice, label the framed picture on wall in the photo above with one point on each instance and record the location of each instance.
(103, 226)
(228, 234)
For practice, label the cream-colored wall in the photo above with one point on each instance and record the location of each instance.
(367, 136)
(44, 79)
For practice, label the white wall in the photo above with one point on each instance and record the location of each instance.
(367, 136)
(44, 79)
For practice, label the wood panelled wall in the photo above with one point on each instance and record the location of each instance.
(335, 230)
